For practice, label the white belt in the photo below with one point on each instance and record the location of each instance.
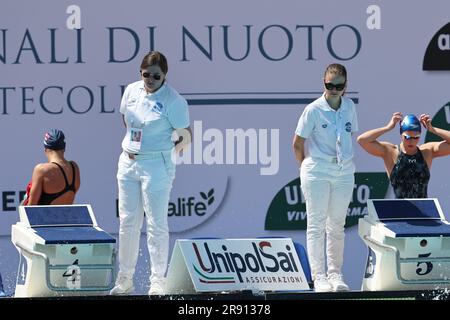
(145, 156)
(329, 160)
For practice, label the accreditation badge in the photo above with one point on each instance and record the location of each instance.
(135, 139)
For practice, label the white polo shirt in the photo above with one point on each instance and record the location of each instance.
(158, 114)
(328, 133)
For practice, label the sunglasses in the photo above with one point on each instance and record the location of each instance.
(155, 76)
(331, 86)
(408, 137)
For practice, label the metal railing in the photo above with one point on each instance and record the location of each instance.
(49, 267)
(399, 261)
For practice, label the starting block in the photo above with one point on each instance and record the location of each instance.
(62, 252)
(409, 245)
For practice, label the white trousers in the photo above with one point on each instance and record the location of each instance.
(144, 186)
(328, 190)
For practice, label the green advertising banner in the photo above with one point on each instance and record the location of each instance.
(287, 211)
(440, 120)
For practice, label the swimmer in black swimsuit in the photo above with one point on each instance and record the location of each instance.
(47, 198)
(50, 181)
(408, 164)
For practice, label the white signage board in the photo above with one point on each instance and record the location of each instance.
(208, 265)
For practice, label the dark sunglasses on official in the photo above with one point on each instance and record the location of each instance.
(155, 76)
(338, 87)
(408, 137)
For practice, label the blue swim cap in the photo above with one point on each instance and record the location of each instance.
(410, 123)
(54, 139)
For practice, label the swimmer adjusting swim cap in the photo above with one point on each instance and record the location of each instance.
(410, 123)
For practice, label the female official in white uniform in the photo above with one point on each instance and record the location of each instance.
(323, 147)
(151, 110)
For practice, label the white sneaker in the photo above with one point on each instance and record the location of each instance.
(156, 288)
(337, 282)
(321, 284)
(124, 285)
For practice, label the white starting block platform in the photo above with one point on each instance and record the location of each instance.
(409, 245)
(62, 252)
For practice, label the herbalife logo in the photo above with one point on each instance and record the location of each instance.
(190, 206)
(287, 210)
(437, 56)
(223, 265)
(189, 210)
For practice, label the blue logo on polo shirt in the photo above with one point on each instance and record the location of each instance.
(324, 125)
(348, 127)
(157, 107)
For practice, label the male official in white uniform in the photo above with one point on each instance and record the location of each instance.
(323, 146)
(152, 110)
